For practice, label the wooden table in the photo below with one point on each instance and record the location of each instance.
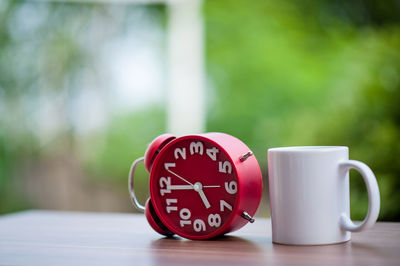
(73, 238)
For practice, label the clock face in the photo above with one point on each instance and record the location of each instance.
(194, 187)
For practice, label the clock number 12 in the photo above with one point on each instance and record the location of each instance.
(165, 182)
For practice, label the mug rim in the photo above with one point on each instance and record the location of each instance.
(308, 149)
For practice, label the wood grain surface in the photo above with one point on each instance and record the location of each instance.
(74, 238)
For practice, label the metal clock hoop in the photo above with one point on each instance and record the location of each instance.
(135, 202)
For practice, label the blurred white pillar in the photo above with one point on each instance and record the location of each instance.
(185, 68)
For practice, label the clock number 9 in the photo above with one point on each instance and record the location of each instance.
(165, 182)
(199, 225)
(214, 220)
(231, 187)
(185, 216)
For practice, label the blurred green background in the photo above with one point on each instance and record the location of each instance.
(279, 73)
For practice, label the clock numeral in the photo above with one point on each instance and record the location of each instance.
(212, 153)
(180, 152)
(199, 225)
(171, 208)
(225, 167)
(196, 147)
(183, 222)
(231, 187)
(185, 216)
(165, 182)
(223, 204)
(169, 165)
(214, 220)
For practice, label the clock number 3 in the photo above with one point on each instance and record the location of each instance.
(196, 147)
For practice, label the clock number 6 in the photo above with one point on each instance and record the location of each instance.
(214, 220)
(231, 187)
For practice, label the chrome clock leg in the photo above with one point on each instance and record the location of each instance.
(246, 216)
(245, 156)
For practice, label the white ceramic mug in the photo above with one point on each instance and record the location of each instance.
(309, 195)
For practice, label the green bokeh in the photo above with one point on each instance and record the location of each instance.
(280, 73)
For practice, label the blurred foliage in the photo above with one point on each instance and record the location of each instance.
(125, 140)
(303, 73)
(49, 54)
(280, 73)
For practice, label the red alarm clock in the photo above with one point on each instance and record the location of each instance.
(201, 186)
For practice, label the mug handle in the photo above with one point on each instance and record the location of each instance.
(373, 197)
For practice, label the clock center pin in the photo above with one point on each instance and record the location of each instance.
(197, 186)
